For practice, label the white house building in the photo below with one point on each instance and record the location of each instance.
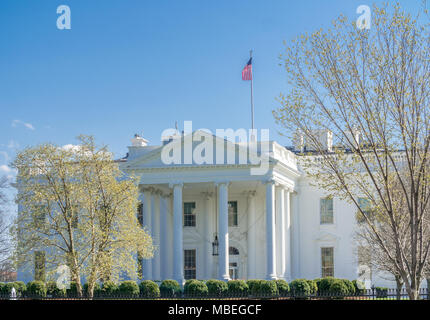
(220, 221)
(213, 215)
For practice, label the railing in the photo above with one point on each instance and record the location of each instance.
(369, 294)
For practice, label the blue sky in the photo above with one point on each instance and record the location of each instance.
(132, 66)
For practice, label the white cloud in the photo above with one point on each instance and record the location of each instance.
(5, 169)
(15, 123)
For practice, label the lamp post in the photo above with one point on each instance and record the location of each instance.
(215, 246)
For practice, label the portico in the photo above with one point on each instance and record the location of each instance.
(190, 209)
(227, 210)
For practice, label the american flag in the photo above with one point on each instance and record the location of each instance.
(247, 71)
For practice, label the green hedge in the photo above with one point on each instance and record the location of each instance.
(36, 288)
(97, 288)
(338, 288)
(73, 289)
(217, 287)
(109, 288)
(128, 288)
(53, 290)
(195, 288)
(262, 287)
(300, 288)
(313, 287)
(20, 287)
(169, 288)
(254, 286)
(381, 292)
(6, 288)
(324, 284)
(237, 287)
(350, 286)
(149, 289)
(283, 287)
(359, 287)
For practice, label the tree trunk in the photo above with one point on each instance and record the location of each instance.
(399, 285)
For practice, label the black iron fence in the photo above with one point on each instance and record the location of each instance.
(365, 294)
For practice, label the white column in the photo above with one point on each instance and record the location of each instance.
(208, 235)
(270, 230)
(223, 231)
(287, 273)
(147, 263)
(280, 230)
(295, 230)
(164, 262)
(156, 235)
(169, 236)
(178, 250)
(251, 236)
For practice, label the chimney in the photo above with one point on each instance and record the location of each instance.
(325, 140)
(354, 138)
(139, 141)
(299, 141)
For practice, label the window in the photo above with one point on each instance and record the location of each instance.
(327, 262)
(190, 264)
(232, 214)
(233, 270)
(189, 214)
(140, 213)
(233, 251)
(39, 265)
(326, 211)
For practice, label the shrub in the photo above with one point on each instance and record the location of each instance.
(254, 287)
(283, 287)
(217, 287)
(97, 289)
(2, 284)
(313, 287)
(350, 286)
(324, 284)
(20, 287)
(109, 288)
(128, 288)
(268, 288)
(338, 288)
(36, 288)
(169, 288)
(237, 287)
(149, 289)
(381, 292)
(300, 288)
(359, 287)
(196, 288)
(7, 288)
(73, 289)
(53, 290)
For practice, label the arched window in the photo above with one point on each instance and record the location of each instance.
(233, 251)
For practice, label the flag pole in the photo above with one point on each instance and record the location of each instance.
(252, 98)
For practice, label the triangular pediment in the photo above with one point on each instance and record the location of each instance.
(199, 148)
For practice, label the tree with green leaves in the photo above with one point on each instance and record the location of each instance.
(76, 208)
(368, 91)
